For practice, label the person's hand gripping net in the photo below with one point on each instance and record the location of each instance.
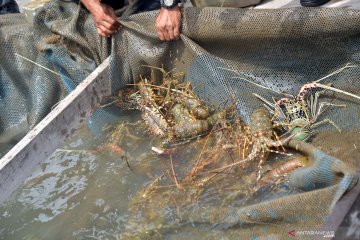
(104, 17)
(105, 20)
(168, 24)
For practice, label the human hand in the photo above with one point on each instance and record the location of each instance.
(168, 24)
(105, 20)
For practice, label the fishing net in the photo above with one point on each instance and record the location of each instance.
(227, 54)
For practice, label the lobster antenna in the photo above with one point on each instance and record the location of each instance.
(337, 90)
(39, 65)
(336, 72)
(252, 82)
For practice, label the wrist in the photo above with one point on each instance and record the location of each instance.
(169, 4)
(174, 9)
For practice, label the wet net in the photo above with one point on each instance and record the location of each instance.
(228, 54)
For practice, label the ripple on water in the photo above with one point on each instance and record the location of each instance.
(61, 177)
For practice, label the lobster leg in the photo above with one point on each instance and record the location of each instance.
(326, 120)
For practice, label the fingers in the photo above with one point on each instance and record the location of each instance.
(112, 27)
(160, 35)
(105, 20)
(106, 30)
(103, 31)
(170, 31)
(117, 26)
(160, 26)
(168, 24)
(165, 30)
(110, 17)
(177, 32)
(108, 26)
(165, 34)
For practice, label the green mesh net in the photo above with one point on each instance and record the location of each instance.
(278, 50)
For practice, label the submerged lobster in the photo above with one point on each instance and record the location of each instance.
(262, 135)
(299, 115)
(172, 111)
(261, 140)
(151, 113)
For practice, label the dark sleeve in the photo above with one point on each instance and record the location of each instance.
(115, 4)
(3, 2)
(130, 7)
(136, 6)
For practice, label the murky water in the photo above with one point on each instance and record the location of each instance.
(91, 189)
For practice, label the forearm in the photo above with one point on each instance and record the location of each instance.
(91, 5)
(104, 17)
